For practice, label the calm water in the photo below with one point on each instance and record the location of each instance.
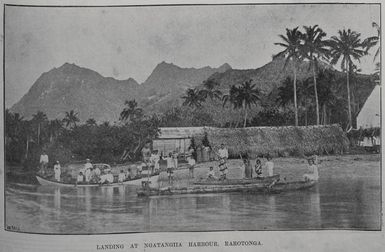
(347, 197)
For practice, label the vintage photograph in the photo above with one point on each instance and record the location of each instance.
(175, 118)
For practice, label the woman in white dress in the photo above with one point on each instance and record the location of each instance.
(312, 167)
(57, 170)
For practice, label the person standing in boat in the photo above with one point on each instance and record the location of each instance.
(57, 170)
(223, 154)
(258, 168)
(175, 157)
(156, 160)
(191, 165)
(269, 166)
(312, 167)
(146, 155)
(170, 167)
(43, 162)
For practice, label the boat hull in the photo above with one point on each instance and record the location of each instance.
(273, 187)
(200, 189)
(264, 180)
(291, 186)
(137, 182)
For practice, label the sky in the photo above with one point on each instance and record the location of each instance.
(124, 42)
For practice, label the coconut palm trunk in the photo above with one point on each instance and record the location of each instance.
(348, 91)
(245, 112)
(295, 95)
(316, 94)
(38, 134)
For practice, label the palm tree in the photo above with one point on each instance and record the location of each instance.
(91, 122)
(231, 98)
(210, 89)
(193, 98)
(248, 94)
(314, 48)
(131, 112)
(70, 119)
(347, 48)
(292, 45)
(243, 97)
(373, 41)
(38, 119)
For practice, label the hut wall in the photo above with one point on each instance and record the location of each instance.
(169, 145)
(280, 141)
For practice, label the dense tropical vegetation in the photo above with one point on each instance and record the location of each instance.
(327, 96)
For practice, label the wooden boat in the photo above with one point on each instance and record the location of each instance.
(273, 187)
(199, 189)
(279, 187)
(136, 181)
(264, 180)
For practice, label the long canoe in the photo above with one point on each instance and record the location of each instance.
(273, 187)
(263, 180)
(138, 182)
(200, 189)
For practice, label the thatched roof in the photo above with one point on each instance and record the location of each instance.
(279, 141)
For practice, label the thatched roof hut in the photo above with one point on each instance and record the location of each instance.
(279, 141)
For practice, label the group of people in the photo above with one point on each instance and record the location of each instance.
(44, 166)
(91, 174)
(258, 167)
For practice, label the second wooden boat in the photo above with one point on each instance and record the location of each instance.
(264, 180)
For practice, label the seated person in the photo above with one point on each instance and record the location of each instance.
(80, 178)
(107, 178)
(313, 167)
(139, 169)
(122, 176)
(128, 174)
(211, 174)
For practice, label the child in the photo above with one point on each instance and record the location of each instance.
(258, 168)
(211, 174)
(191, 164)
(121, 176)
(269, 166)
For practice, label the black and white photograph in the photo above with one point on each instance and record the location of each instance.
(199, 117)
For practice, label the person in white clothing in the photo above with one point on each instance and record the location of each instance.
(312, 167)
(156, 159)
(80, 178)
(57, 170)
(269, 166)
(88, 173)
(121, 176)
(191, 166)
(170, 167)
(43, 162)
